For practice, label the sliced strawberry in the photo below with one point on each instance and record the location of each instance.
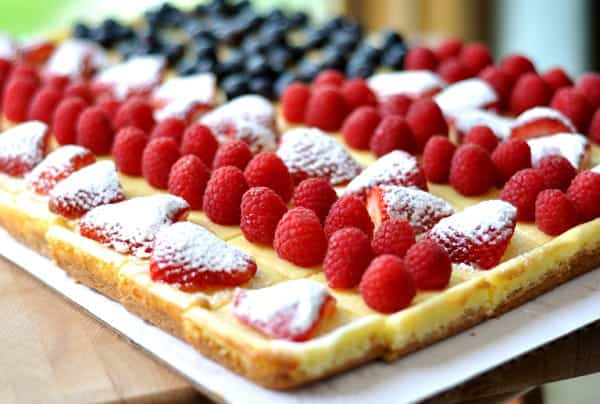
(77, 59)
(130, 226)
(292, 310)
(312, 153)
(37, 52)
(465, 95)
(540, 121)
(478, 235)
(57, 166)
(415, 83)
(136, 76)
(572, 146)
(421, 209)
(22, 147)
(466, 120)
(395, 168)
(185, 97)
(192, 258)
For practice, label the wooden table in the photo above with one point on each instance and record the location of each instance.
(53, 352)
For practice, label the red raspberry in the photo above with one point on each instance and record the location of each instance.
(26, 72)
(95, 131)
(588, 84)
(511, 156)
(315, 194)
(556, 79)
(475, 57)
(159, 156)
(521, 190)
(429, 265)
(392, 133)
(574, 106)
(426, 119)
(554, 212)
(17, 98)
(170, 127)
(584, 192)
(348, 256)
(529, 91)
(358, 128)
(65, 119)
(452, 70)
(81, 90)
(419, 58)
(135, 112)
(471, 170)
(482, 136)
(326, 109)
(594, 127)
(267, 169)
(294, 101)
(330, 77)
(348, 211)
(43, 105)
(223, 195)
(557, 171)
(516, 65)
(127, 150)
(188, 178)
(110, 106)
(299, 238)
(500, 81)
(357, 93)
(261, 210)
(59, 83)
(387, 286)
(448, 48)
(200, 141)
(437, 157)
(233, 153)
(394, 236)
(397, 104)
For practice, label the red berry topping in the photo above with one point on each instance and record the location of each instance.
(315, 194)
(529, 91)
(135, 112)
(357, 93)
(556, 79)
(448, 48)
(299, 238)
(511, 156)
(268, 170)
(394, 236)
(437, 157)
(188, 178)
(429, 265)
(557, 171)
(65, 119)
(540, 121)
(348, 256)
(22, 147)
(170, 127)
(234, 153)
(157, 159)
(95, 131)
(294, 101)
(358, 128)
(500, 81)
(426, 119)
(594, 127)
(521, 191)
(482, 136)
(516, 65)
(17, 97)
(386, 286)
(472, 171)
(200, 141)
(43, 105)
(475, 57)
(397, 104)
(574, 106)
(261, 210)
(223, 195)
(452, 70)
(392, 133)
(81, 90)
(584, 192)
(588, 84)
(419, 58)
(348, 211)
(554, 212)
(330, 77)
(326, 109)
(127, 150)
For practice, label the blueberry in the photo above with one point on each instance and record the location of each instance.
(253, 46)
(279, 58)
(394, 56)
(333, 58)
(149, 43)
(127, 49)
(173, 52)
(206, 65)
(344, 41)
(283, 81)
(234, 63)
(186, 68)
(307, 70)
(200, 10)
(82, 31)
(273, 35)
(298, 19)
(261, 85)
(257, 65)
(235, 85)
(314, 39)
(362, 70)
(368, 53)
(275, 15)
(390, 38)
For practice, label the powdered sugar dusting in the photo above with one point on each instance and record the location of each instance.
(140, 73)
(22, 147)
(533, 114)
(310, 152)
(76, 58)
(466, 94)
(179, 95)
(464, 121)
(413, 83)
(8, 47)
(596, 169)
(571, 146)
(55, 164)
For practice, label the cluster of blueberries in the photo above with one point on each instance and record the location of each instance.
(249, 52)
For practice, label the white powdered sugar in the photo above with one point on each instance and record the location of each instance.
(395, 168)
(178, 96)
(464, 95)
(8, 47)
(421, 209)
(130, 226)
(76, 58)
(311, 152)
(596, 169)
(55, 164)
(191, 247)
(299, 300)
(571, 146)
(464, 121)
(536, 113)
(412, 83)
(22, 145)
(140, 73)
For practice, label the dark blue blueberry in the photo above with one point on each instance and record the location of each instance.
(314, 39)
(173, 52)
(298, 19)
(234, 63)
(394, 56)
(368, 53)
(307, 70)
(344, 41)
(333, 58)
(362, 70)
(81, 30)
(206, 65)
(283, 81)
(390, 38)
(235, 85)
(252, 46)
(257, 65)
(279, 58)
(186, 68)
(261, 85)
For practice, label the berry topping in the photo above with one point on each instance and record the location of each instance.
(557, 172)
(358, 128)
(478, 235)
(500, 81)
(420, 58)
(315, 194)
(482, 136)
(529, 91)
(127, 150)
(192, 258)
(17, 98)
(170, 127)
(425, 119)
(540, 121)
(138, 75)
(326, 109)
(584, 192)
(188, 178)
(348, 211)
(394, 236)
(65, 119)
(521, 191)
(81, 90)
(357, 93)
(22, 147)
(572, 146)
(184, 97)
(397, 104)
(467, 119)
(348, 256)
(392, 133)
(437, 157)
(261, 210)
(76, 58)
(235, 153)
(223, 195)
(511, 156)
(429, 265)
(448, 48)
(43, 105)
(516, 65)
(588, 84)
(330, 77)
(472, 171)
(135, 112)
(268, 170)
(594, 128)
(466, 95)
(95, 131)
(475, 57)
(199, 141)
(452, 70)
(554, 212)
(414, 83)
(300, 239)
(159, 156)
(294, 101)
(574, 106)
(110, 106)
(557, 78)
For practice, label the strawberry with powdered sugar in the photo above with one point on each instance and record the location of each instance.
(415, 84)
(572, 146)
(22, 147)
(466, 120)
(138, 75)
(77, 59)
(465, 95)
(184, 97)
(292, 310)
(541, 121)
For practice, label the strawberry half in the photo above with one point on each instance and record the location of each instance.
(192, 258)
(57, 166)
(466, 120)
(292, 310)
(466, 95)
(312, 153)
(572, 146)
(541, 121)
(130, 226)
(22, 147)
(77, 59)
(421, 209)
(415, 84)
(478, 235)
(185, 97)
